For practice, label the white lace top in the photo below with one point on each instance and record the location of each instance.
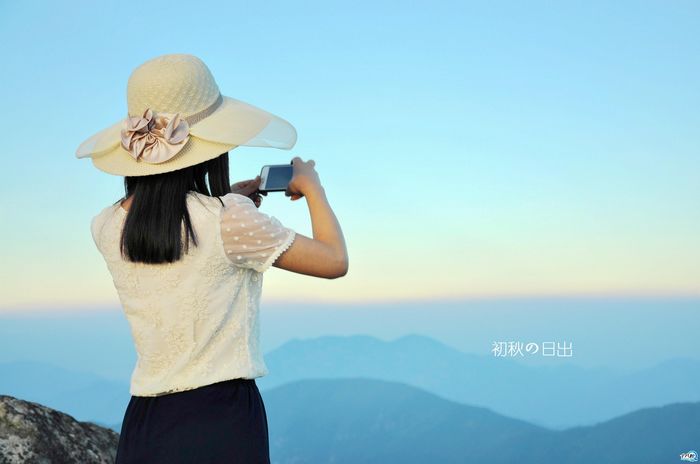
(196, 321)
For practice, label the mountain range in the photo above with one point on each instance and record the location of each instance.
(352, 420)
(371, 421)
(554, 397)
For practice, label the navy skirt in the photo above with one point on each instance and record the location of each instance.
(224, 422)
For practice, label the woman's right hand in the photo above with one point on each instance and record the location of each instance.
(304, 178)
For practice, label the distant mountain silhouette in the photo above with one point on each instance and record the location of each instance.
(654, 435)
(553, 397)
(354, 420)
(83, 395)
(557, 396)
(31, 433)
(372, 421)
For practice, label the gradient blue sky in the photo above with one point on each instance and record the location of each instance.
(469, 149)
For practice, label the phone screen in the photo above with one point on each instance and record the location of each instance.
(278, 177)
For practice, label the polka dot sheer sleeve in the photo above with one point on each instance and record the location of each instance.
(251, 239)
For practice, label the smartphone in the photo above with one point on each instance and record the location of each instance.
(275, 177)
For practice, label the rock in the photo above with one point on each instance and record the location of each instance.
(35, 434)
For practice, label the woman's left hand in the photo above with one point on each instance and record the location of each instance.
(249, 188)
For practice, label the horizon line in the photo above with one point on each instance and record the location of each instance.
(95, 307)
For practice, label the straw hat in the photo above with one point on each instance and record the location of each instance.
(177, 117)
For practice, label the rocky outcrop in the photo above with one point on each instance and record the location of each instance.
(31, 433)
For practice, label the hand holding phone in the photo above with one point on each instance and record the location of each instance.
(275, 177)
(294, 179)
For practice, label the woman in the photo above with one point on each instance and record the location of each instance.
(187, 253)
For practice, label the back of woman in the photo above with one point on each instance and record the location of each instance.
(195, 320)
(187, 253)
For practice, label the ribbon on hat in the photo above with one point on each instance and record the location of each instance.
(155, 137)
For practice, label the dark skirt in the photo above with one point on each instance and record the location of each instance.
(224, 422)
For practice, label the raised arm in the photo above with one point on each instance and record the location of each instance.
(324, 255)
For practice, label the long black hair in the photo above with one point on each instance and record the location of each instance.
(152, 231)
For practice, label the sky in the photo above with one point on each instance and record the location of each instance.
(469, 150)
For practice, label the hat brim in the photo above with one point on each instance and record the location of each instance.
(234, 123)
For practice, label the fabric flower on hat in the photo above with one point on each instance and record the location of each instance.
(155, 137)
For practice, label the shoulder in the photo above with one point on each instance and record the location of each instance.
(206, 203)
(236, 199)
(231, 203)
(98, 221)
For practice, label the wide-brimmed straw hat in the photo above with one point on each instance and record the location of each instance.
(178, 118)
